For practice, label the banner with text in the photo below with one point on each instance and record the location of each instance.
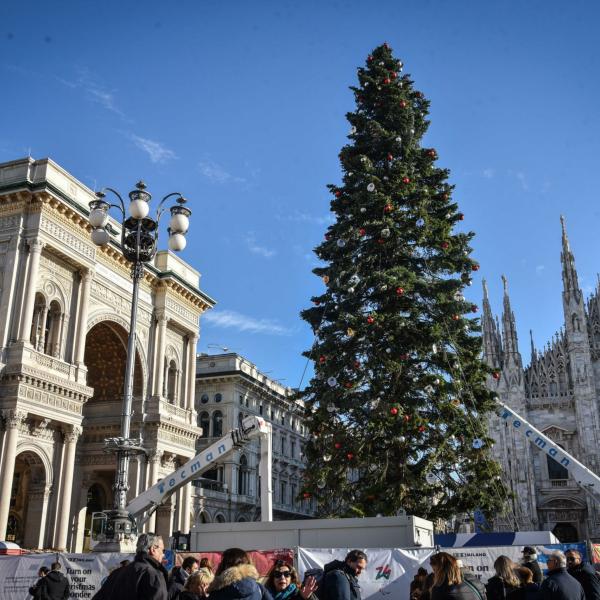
(389, 570)
(85, 572)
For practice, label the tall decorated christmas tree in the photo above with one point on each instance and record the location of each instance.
(397, 406)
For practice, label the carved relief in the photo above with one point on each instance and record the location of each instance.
(66, 238)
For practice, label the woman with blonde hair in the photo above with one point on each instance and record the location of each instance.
(196, 585)
(505, 583)
(448, 582)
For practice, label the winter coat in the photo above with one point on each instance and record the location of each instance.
(497, 589)
(472, 579)
(531, 591)
(55, 586)
(559, 585)
(176, 583)
(185, 595)
(534, 567)
(459, 591)
(142, 579)
(587, 577)
(36, 589)
(238, 583)
(339, 583)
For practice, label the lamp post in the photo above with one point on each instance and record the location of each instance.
(139, 239)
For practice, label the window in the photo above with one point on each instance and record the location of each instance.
(218, 397)
(204, 423)
(282, 445)
(243, 476)
(260, 409)
(272, 415)
(283, 420)
(556, 470)
(247, 402)
(204, 398)
(171, 382)
(217, 423)
(283, 492)
(241, 399)
(293, 499)
(240, 419)
(293, 449)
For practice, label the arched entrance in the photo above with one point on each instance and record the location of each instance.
(566, 533)
(28, 501)
(105, 357)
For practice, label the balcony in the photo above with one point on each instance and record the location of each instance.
(159, 407)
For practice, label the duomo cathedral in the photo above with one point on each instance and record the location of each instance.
(558, 393)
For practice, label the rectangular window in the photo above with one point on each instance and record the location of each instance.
(260, 409)
(283, 492)
(293, 500)
(241, 399)
(293, 449)
(283, 446)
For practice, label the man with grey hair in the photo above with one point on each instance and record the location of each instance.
(143, 579)
(559, 585)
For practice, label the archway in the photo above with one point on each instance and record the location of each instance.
(105, 357)
(566, 533)
(28, 501)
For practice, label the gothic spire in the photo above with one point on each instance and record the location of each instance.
(569, 273)
(492, 348)
(509, 330)
(533, 351)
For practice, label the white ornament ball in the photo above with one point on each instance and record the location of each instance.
(420, 222)
(363, 210)
(352, 130)
(399, 139)
(351, 290)
(371, 187)
(341, 243)
(332, 381)
(477, 443)
(388, 350)
(385, 233)
(430, 478)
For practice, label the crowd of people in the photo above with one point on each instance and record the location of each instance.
(568, 578)
(236, 578)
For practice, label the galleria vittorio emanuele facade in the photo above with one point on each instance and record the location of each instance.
(64, 321)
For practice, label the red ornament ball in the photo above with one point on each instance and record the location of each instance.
(445, 245)
(456, 317)
(432, 153)
(338, 193)
(327, 236)
(380, 241)
(404, 357)
(422, 428)
(356, 364)
(386, 81)
(393, 411)
(362, 231)
(445, 196)
(496, 375)
(350, 456)
(322, 359)
(370, 320)
(337, 445)
(475, 267)
(388, 208)
(474, 308)
(407, 418)
(317, 302)
(393, 75)
(399, 291)
(402, 103)
(406, 180)
(348, 384)
(306, 495)
(390, 157)
(369, 58)
(460, 217)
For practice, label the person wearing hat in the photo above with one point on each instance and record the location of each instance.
(530, 561)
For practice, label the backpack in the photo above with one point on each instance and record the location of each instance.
(319, 574)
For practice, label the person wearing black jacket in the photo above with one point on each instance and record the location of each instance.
(584, 573)
(36, 589)
(180, 576)
(55, 586)
(340, 579)
(531, 562)
(143, 579)
(559, 585)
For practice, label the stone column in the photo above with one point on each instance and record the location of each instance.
(64, 507)
(35, 251)
(190, 391)
(36, 516)
(159, 356)
(84, 304)
(58, 341)
(185, 509)
(154, 459)
(12, 420)
(41, 338)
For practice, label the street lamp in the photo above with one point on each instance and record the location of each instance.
(139, 238)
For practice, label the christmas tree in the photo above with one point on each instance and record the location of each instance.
(397, 406)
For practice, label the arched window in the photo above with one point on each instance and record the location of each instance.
(220, 519)
(218, 397)
(243, 476)
(172, 382)
(204, 423)
(52, 333)
(240, 419)
(203, 517)
(217, 423)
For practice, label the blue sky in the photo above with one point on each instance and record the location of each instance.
(240, 106)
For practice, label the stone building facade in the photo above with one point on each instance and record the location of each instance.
(559, 393)
(229, 388)
(64, 320)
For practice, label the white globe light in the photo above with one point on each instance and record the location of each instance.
(100, 237)
(139, 209)
(177, 242)
(179, 223)
(98, 217)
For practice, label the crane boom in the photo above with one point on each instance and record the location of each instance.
(141, 507)
(587, 479)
